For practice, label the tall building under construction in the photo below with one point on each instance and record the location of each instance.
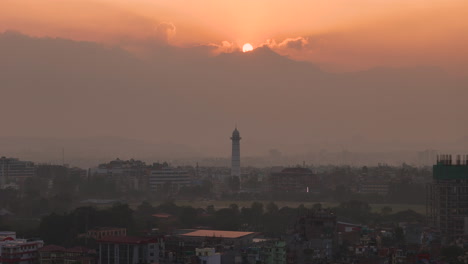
(447, 197)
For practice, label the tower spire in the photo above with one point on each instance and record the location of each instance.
(235, 158)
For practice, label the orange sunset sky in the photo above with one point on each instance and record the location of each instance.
(336, 34)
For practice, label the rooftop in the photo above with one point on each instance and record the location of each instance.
(105, 228)
(51, 248)
(217, 233)
(162, 215)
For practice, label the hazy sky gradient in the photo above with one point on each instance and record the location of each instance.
(171, 71)
(337, 34)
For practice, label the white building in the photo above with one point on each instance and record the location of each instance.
(20, 251)
(130, 250)
(235, 158)
(168, 179)
(208, 256)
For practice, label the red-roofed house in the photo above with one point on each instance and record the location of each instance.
(51, 254)
(229, 237)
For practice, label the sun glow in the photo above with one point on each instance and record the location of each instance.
(247, 47)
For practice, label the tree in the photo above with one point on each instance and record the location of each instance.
(272, 208)
(317, 206)
(226, 219)
(386, 210)
(451, 253)
(210, 209)
(235, 208)
(399, 235)
(257, 209)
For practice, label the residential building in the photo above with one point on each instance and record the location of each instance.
(208, 256)
(14, 171)
(293, 180)
(52, 254)
(276, 253)
(168, 180)
(319, 229)
(447, 197)
(374, 187)
(127, 174)
(130, 250)
(98, 233)
(18, 251)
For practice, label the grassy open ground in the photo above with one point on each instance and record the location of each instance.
(419, 208)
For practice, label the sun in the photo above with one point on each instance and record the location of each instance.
(247, 47)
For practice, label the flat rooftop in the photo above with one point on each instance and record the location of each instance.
(217, 233)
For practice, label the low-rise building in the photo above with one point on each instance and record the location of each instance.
(126, 174)
(19, 251)
(208, 256)
(52, 254)
(374, 187)
(13, 172)
(168, 180)
(293, 180)
(130, 250)
(98, 233)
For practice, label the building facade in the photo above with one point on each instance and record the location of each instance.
(447, 197)
(52, 254)
(168, 180)
(18, 251)
(127, 174)
(293, 180)
(13, 172)
(98, 233)
(208, 256)
(130, 250)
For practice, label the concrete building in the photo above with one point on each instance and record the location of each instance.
(19, 251)
(447, 197)
(235, 158)
(127, 174)
(168, 180)
(293, 180)
(319, 229)
(98, 233)
(53, 254)
(130, 250)
(13, 171)
(374, 187)
(208, 256)
(276, 253)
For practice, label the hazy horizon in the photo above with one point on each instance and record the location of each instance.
(59, 88)
(371, 77)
